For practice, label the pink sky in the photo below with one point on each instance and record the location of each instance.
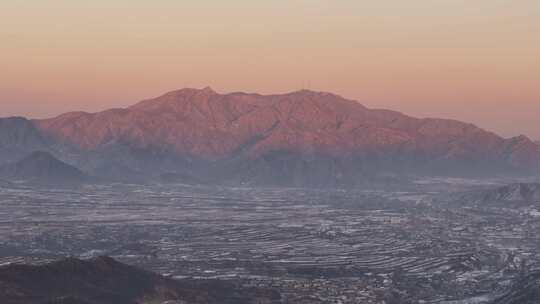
(477, 61)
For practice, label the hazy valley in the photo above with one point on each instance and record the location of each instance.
(470, 244)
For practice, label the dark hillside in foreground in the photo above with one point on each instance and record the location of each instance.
(105, 281)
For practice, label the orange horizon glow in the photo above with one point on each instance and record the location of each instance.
(476, 61)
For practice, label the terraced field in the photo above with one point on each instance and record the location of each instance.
(314, 246)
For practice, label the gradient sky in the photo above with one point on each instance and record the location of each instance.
(473, 60)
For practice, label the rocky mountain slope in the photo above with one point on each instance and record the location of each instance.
(517, 196)
(520, 192)
(300, 137)
(208, 125)
(105, 281)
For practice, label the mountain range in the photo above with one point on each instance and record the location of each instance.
(299, 138)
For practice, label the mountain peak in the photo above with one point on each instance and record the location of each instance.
(521, 138)
(174, 98)
(190, 92)
(208, 89)
(308, 92)
(103, 264)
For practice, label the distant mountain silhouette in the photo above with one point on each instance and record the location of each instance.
(18, 136)
(303, 137)
(42, 167)
(105, 281)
